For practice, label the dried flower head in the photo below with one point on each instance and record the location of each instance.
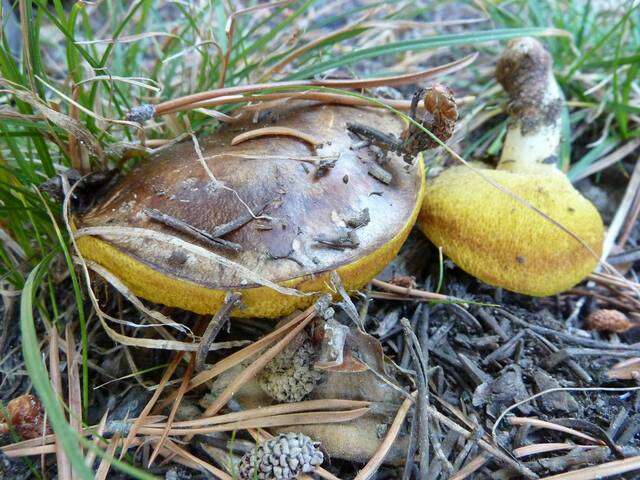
(290, 376)
(281, 458)
(605, 320)
(25, 415)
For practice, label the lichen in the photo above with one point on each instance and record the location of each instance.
(290, 376)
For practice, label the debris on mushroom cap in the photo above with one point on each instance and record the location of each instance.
(606, 320)
(491, 231)
(302, 231)
(290, 376)
(283, 457)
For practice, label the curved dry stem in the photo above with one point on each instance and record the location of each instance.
(189, 100)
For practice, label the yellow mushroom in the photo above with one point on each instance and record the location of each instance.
(492, 235)
(325, 205)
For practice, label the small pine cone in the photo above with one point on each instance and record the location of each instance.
(26, 417)
(608, 321)
(290, 376)
(281, 458)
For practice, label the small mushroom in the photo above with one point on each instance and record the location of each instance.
(489, 233)
(261, 212)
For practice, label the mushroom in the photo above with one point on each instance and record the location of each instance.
(282, 202)
(490, 232)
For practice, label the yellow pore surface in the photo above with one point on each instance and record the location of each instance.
(492, 236)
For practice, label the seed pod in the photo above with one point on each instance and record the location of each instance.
(26, 417)
(605, 320)
(283, 457)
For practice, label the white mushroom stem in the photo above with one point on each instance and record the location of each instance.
(525, 71)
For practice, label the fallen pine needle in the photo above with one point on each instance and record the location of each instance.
(147, 409)
(536, 422)
(276, 131)
(235, 358)
(105, 463)
(609, 469)
(174, 408)
(306, 418)
(64, 467)
(249, 372)
(170, 445)
(413, 292)
(374, 462)
(548, 447)
(304, 406)
(471, 467)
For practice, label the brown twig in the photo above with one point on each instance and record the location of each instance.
(183, 227)
(215, 325)
(413, 292)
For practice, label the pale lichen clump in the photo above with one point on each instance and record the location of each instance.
(290, 376)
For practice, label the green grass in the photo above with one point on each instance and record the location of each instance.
(186, 54)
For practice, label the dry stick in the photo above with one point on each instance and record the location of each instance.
(174, 409)
(249, 372)
(215, 325)
(183, 227)
(147, 409)
(64, 467)
(488, 447)
(374, 462)
(625, 204)
(173, 105)
(536, 422)
(422, 366)
(410, 291)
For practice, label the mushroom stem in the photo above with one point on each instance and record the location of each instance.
(525, 71)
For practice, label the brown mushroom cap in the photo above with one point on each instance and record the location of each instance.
(275, 172)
